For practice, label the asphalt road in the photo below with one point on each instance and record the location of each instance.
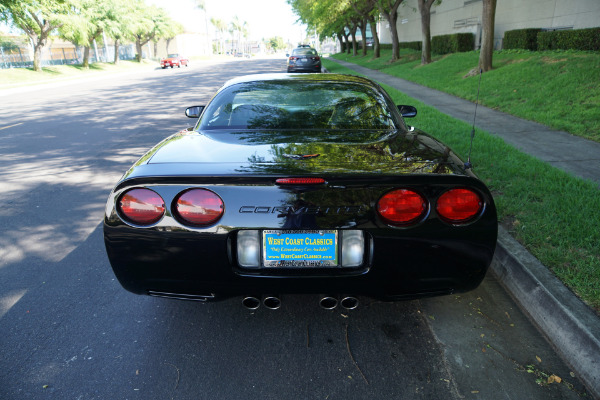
(69, 331)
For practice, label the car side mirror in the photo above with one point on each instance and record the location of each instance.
(287, 54)
(194, 111)
(407, 111)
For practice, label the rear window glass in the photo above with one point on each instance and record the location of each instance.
(298, 105)
(304, 52)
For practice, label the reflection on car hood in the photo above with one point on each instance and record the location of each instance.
(271, 152)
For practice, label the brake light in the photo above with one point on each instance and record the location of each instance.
(402, 207)
(300, 181)
(292, 58)
(199, 207)
(141, 206)
(316, 58)
(459, 205)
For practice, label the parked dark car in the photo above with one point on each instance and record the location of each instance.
(304, 59)
(300, 183)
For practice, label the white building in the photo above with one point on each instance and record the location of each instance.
(459, 16)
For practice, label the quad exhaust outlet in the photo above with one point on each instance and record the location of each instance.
(273, 302)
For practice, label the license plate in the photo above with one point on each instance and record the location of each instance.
(309, 249)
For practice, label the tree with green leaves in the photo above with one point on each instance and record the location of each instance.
(119, 25)
(89, 20)
(241, 28)
(275, 43)
(201, 5)
(368, 11)
(37, 18)
(322, 16)
(151, 22)
(221, 28)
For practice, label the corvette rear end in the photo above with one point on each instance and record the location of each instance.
(386, 213)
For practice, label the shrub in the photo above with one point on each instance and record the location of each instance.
(412, 45)
(521, 39)
(578, 39)
(455, 43)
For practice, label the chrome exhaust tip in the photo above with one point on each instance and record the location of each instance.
(272, 302)
(251, 302)
(328, 302)
(349, 302)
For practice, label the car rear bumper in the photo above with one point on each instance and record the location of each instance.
(292, 68)
(201, 264)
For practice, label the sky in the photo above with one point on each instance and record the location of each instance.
(265, 18)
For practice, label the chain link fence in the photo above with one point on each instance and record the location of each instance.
(17, 57)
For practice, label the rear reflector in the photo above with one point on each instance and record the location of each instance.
(141, 206)
(199, 207)
(402, 207)
(300, 181)
(459, 205)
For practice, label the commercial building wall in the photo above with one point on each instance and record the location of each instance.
(458, 16)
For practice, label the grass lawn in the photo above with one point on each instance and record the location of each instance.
(560, 89)
(554, 215)
(12, 77)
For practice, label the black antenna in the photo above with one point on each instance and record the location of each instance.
(468, 164)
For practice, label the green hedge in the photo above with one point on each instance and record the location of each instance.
(412, 45)
(455, 43)
(403, 45)
(521, 39)
(578, 39)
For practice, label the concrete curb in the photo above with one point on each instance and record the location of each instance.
(568, 324)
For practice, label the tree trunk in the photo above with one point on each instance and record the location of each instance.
(376, 50)
(354, 44)
(38, 43)
(487, 41)
(342, 44)
(116, 59)
(395, 41)
(346, 41)
(362, 25)
(138, 48)
(391, 15)
(37, 57)
(86, 57)
(425, 10)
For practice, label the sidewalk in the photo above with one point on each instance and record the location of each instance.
(573, 154)
(568, 324)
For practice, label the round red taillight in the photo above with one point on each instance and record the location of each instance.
(402, 207)
(141, 206)
(199, 207)
(459, 205)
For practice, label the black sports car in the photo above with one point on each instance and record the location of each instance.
(300, 184)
